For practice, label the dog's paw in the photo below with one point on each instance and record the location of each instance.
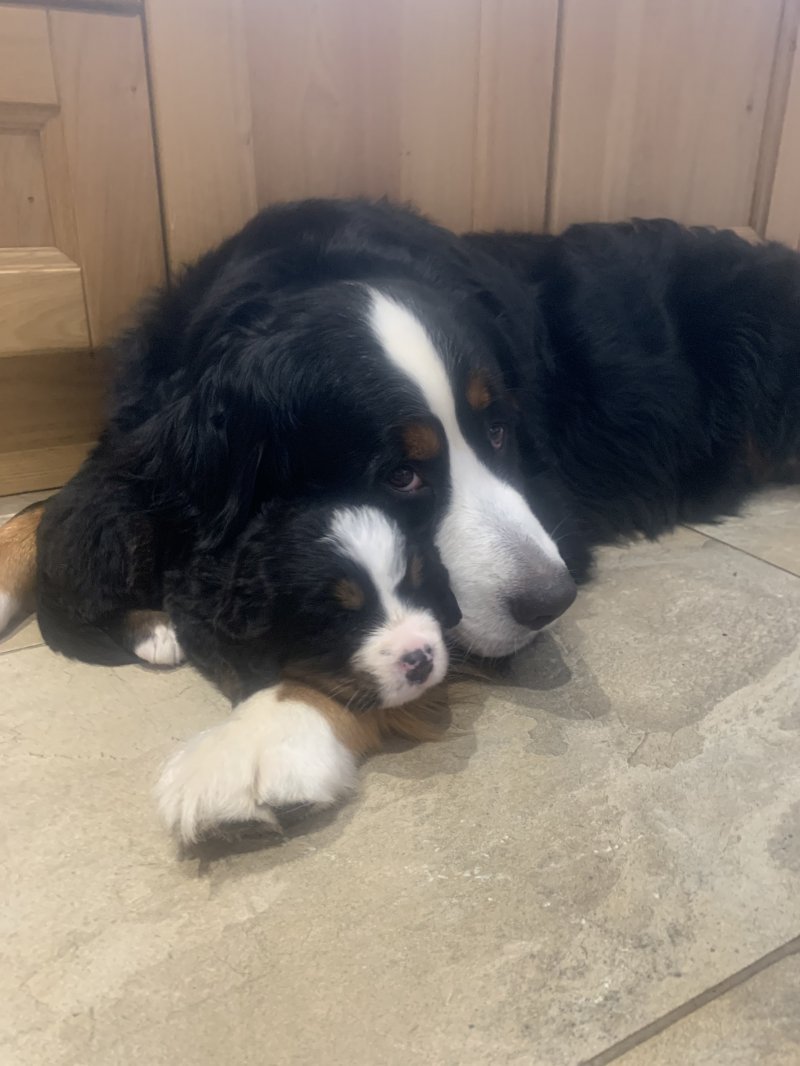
(158, 645)
(271, 753)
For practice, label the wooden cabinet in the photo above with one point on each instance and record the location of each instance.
(80, 227)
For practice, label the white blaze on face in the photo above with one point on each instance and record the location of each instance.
(491, 543)
(369, 538)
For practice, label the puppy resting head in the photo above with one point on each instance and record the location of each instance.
(335, 596)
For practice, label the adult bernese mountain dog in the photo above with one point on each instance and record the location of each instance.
(507, 400)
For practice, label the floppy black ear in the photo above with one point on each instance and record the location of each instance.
(222, 607)
(232, 590)
(192, 417)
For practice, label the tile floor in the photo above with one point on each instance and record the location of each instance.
(599, 863)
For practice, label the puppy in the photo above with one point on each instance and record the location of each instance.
(337, 596)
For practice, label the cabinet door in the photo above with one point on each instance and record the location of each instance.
(80, 231)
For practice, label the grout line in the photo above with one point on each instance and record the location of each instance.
(742, 551)
(19, 648)
(647, 1032)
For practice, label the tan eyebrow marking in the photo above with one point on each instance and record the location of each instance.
(349, 594)
(421, 441)
(478, 395)
(415, 571)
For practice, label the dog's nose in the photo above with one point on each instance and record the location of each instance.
(542, 604)
(417, 664)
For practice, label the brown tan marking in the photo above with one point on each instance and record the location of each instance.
(18, 557)
(363, 734)
(479, 395)
(349, 594)
(415, 570)
(421, 441)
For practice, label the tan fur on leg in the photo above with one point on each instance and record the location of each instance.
(364, 733)
(18, 564)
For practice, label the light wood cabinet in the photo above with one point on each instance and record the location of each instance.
(80, 227)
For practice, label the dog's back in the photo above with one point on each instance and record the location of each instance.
(667, 382)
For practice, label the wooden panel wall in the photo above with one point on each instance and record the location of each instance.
(202, 109)
(662, 108)
(783, 215)
(486, 113)
(421, 101)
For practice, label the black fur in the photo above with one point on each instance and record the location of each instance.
(648, 374)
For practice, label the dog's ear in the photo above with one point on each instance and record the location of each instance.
(244, 586)
(202, 454)
(193, 404)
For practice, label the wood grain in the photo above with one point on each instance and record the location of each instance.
(517, 57)
(661, 108)
(775, 113)
(201, 97)
(438, 98)
(783, 218)
(352, 97)
(24, 210)
(326, 113)
(26, 71)
(51, 409)
(51, 399)
(41, 302)
(105, 110)
(40, 468)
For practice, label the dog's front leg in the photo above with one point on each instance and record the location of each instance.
(284, 746)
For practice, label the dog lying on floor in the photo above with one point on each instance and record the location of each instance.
(511, 399)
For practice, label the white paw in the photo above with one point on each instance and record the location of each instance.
(270, 753)
(9, 608)
(160, 647)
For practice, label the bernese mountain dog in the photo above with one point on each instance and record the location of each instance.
(512, 400)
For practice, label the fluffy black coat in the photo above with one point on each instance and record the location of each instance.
(655, 373)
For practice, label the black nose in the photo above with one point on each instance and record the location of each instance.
(543, 603)
(418, 664)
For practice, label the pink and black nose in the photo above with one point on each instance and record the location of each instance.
(543, 602)
(417, 664)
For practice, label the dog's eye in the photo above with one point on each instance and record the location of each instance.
(497, 435)
(405, 479)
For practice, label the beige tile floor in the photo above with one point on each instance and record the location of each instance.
(600, 862)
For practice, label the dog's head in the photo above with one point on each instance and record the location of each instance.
(334, 595)
(381, 391)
